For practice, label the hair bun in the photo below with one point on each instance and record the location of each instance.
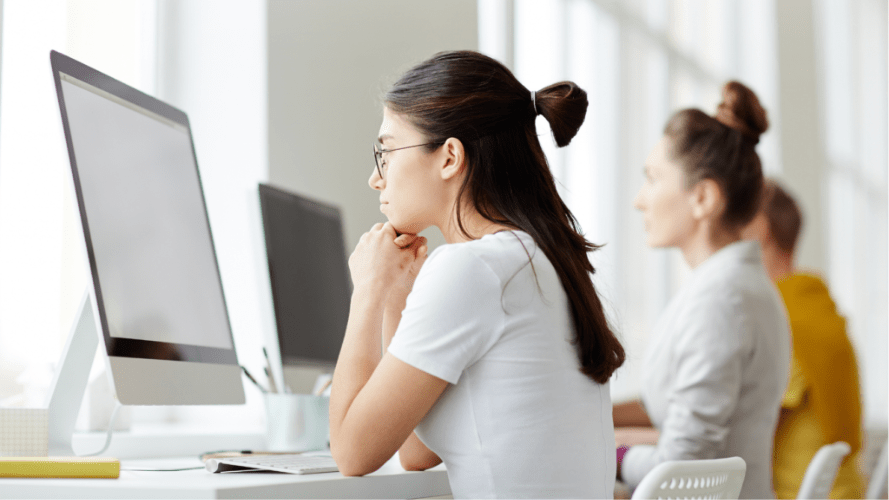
(564, 106)
(740, 109)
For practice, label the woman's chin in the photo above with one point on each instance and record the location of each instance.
(655, 242)
(402, 227)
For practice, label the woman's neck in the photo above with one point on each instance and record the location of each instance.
(706, 242)
(474, 224)
(778, 263)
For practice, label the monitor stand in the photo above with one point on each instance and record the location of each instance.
(71, 378)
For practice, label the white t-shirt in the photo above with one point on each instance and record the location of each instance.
(519, 419)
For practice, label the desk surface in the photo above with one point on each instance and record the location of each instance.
(391, 481)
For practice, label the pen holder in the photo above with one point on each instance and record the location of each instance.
(296, 422)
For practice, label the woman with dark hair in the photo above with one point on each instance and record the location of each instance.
(496, 351)
(719, 357)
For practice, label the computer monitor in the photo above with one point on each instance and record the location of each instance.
(156, 293)
(309, 275)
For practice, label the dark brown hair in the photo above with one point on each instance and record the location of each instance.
(722, 148)
(783, 215)
(473, 98)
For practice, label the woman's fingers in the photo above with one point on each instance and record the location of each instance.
(420, 247)
(405, 240)
(408, 240)
(389, 230)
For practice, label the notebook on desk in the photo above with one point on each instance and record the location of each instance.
(60, 467)
(290, 464)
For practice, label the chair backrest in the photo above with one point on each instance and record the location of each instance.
(694, 479)
(822, 471)
(879, 479)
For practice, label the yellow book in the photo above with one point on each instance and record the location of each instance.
(89, 467)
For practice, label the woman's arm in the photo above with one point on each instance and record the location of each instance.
(704, 392)
(630, 414)
(414, 455)
(373, 411)
(376, 403)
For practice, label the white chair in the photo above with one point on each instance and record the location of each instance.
(879, 479)
(822, 471)
(694, 479)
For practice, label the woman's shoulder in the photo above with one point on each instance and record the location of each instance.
(739, 297)
(734, 283)
(458, 264)
(503, 253)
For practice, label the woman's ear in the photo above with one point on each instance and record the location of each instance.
(707, 201)
(454, 158)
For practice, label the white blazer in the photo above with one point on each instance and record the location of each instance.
(716, 370)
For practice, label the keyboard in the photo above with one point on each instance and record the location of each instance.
(291, 464)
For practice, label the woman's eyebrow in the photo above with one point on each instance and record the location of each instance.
(384, 137)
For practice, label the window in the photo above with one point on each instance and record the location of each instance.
(43, 270)
(854, 95)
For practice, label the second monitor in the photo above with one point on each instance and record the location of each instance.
(310, 282)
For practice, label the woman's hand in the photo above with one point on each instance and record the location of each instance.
(402, 288)
(386, 263)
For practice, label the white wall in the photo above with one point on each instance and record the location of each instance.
(330, 61)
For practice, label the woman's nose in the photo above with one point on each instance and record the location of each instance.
(638, 203)
(375, 181)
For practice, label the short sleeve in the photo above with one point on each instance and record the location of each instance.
(796, 386)
(452, 316)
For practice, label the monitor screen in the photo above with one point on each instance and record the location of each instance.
(156, 282)
(309, 273)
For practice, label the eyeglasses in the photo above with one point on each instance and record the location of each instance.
(381, 163)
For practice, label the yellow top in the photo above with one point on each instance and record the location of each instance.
(822, 404)
(69, 467)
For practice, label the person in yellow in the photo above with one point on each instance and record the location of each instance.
(822, 404)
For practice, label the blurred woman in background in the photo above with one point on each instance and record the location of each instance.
(718, 360)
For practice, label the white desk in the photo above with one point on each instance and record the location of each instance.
(391, 481)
